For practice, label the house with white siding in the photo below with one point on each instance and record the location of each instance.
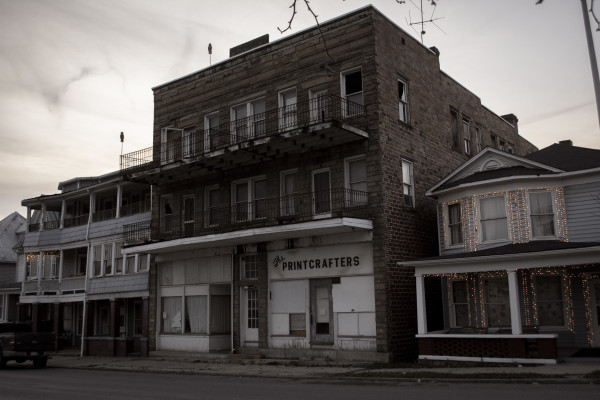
(518, 274)
(11, 231)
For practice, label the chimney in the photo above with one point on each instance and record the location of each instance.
(513, 120)
(567, 142)
(244, 47)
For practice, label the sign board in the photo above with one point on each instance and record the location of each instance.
(322, 261)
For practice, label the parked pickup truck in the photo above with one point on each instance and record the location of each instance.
(19, 344)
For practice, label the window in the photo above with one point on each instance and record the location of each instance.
(196, 314)
(493, 218)
(494, 140)
(252, 308)
(102, 318)
(319, 105)
(497, 302)
(212, 139)
(455, 229)
(189, 142)
(171, 140)
(97, 260)
(211, 205)
(288, 192)
(511, 148)
(143, 262)
(403, 100)
(130, 264)
(171, 315)
(454, 129)
(502, 145)
(298, 324)
(248, 120)
(541, 214)
(108, 261)
(50, 262)
(460, 303)
(118, 258)
(352, 92)
(549, 300)
(32, 260)
(287, 109)
(188, 215)
(479, 137)
(356, 181)
(467, 136)
(321, 192)
(249, 199)
(167, 207)
(408, 184)
(250, 267)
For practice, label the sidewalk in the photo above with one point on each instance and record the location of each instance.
(234, 365)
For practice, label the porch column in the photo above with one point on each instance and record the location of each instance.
(421, 307)
(63, 210)
(43, 217)
(515, 309)
(60, 265)
(28, 219)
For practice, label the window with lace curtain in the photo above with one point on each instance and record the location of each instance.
(494, 224)
(541, 213)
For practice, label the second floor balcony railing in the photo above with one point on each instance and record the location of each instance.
(296, 208)
(279, 121)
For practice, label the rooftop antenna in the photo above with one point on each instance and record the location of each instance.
(122, 140)
(423, 21)
(209, 54)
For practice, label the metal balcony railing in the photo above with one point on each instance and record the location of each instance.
(135, 208)
(301, 207)
(273, 122)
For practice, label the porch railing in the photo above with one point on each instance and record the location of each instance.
(301, 207)
(273, 122)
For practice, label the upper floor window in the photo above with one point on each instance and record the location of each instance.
(171, 141)
(32, 263)
(356, 181)
(167, 212)
(494, 140)
(479, 137)
(212, 138)
(454, 129)
(502, 144)
(189, 215)
(467, 136)
(248, 120)
(352, 91)
(211, 206)
(455, 226)
(321, 185)
(249, 266)
(511, 148)
(189, 141)
(287, 109)
(403, 100)
(288, 192)
(541, 213)
(249, 199)
(493, 218)
(408, 183)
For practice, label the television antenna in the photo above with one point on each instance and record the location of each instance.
(423, 20)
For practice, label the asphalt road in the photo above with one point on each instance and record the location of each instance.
(17, 383)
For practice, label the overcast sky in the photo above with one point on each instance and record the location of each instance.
(75, 73)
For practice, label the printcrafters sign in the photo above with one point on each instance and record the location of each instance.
(321, 261)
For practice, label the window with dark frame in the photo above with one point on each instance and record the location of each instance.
(403, 100)
(455, 227)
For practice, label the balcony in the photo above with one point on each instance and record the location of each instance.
(318, 123)
(292, 209)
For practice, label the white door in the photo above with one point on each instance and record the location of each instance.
(249, 317)
(595, 293)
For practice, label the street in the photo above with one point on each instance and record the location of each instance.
(20, 383)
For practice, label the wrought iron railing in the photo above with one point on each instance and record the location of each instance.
(273, 122)
(301, 207)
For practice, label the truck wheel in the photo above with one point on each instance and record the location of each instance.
(40, 362)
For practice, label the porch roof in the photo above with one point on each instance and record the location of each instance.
(534, 254)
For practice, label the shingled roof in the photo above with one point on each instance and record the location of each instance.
(567, 157)
(9, 227)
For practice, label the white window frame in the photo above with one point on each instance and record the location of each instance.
(207, 205)
(287, 203)
(319, 105)
(32, 266)
(209, 129)
(403, 102)
(314, 201)
(166, 157)
(452, 304)
(251, 208)
(466, 125)
(529, 210)
(351, 200)
(345, 111)
(479, 137)
(288, 113)
(563, 300)
(449, 242)
(480, 224)
(410, 186)
(246, 273)
(249, 126)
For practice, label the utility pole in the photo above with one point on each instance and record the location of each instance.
(591, 50)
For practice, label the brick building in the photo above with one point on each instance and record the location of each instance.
(288, 182)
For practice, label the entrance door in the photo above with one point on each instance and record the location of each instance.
(595, 293)
(249, 317)
(321, 308)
